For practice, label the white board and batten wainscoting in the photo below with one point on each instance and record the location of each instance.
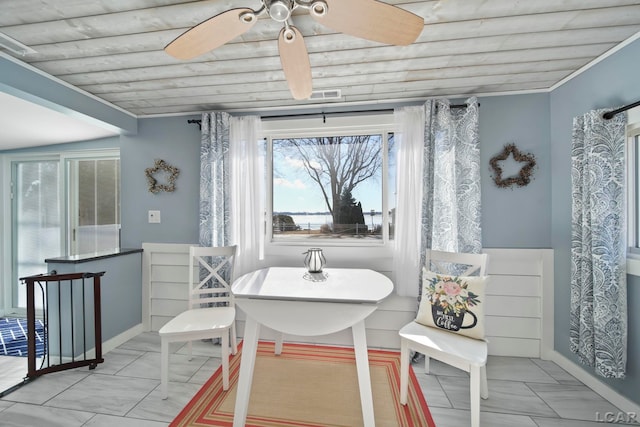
(519, 313)
(519, 310)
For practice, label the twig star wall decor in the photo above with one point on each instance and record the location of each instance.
(526, 172)
(167, 170)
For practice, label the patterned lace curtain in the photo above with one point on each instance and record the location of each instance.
(598, 319)
(215, 180)
(451, 206)
(215, 184)
(449, 217)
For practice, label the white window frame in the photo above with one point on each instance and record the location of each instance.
(318, 126)
(6, 260)
(6, 204)
(71, 194)
(633, 192)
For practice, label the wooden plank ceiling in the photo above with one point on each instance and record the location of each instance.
(114, 50)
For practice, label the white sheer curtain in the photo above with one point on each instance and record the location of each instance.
(247, 192)
(409, 137)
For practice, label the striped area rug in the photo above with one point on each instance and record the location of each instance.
(13, 337)
(309, 386)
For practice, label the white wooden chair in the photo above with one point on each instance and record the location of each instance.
(455, 350)
(201, 321)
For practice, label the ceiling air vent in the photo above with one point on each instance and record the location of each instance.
(14, 45)
(326, 94)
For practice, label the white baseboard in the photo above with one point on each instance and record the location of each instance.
(599, 387)
(120, 339)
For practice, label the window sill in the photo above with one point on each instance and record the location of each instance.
(375, 257)
(370, 243)
(633, 264)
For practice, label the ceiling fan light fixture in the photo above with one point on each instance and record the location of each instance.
(319, 8)
(368, 19)
(280, 10)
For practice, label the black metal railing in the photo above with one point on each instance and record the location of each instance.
(70, 311)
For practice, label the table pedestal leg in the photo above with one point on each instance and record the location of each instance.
(364, 376)
(245, 378)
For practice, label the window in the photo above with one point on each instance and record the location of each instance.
(633, 180)
(94, 204)
(330, 179)
(36, 225)
(61, 204)
(634, 184)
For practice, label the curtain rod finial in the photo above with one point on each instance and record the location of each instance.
(198, 122)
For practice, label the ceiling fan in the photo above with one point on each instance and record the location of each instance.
(367, 19)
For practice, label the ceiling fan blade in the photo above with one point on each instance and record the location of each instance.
(212, 33)
(295, 62)
(372, 20)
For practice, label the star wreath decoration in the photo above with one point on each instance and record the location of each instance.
(172, 174)
(526, 172)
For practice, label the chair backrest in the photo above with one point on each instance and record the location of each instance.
(211, 275)
(460, 264)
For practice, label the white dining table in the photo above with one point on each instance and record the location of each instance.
(295, 302)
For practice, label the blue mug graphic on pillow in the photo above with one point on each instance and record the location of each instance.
(450, 301)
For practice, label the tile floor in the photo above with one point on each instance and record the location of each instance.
(124, 391)
(12, 370)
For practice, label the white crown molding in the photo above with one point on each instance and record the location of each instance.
(599, 59)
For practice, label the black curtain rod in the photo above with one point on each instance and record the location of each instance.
(324, 115)
(199, 122)
(610, 114)
(309, 114)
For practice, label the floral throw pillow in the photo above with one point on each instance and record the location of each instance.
(453, 303)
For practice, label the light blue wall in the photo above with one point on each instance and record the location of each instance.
(121, 296)
(613, 82)
(516, 217)
(176, 142)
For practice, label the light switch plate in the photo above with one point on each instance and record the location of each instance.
(154, 217)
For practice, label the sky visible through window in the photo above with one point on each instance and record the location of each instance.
(299, 165)
(295, 191)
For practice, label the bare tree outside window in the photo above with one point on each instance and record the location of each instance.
(337, 170)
